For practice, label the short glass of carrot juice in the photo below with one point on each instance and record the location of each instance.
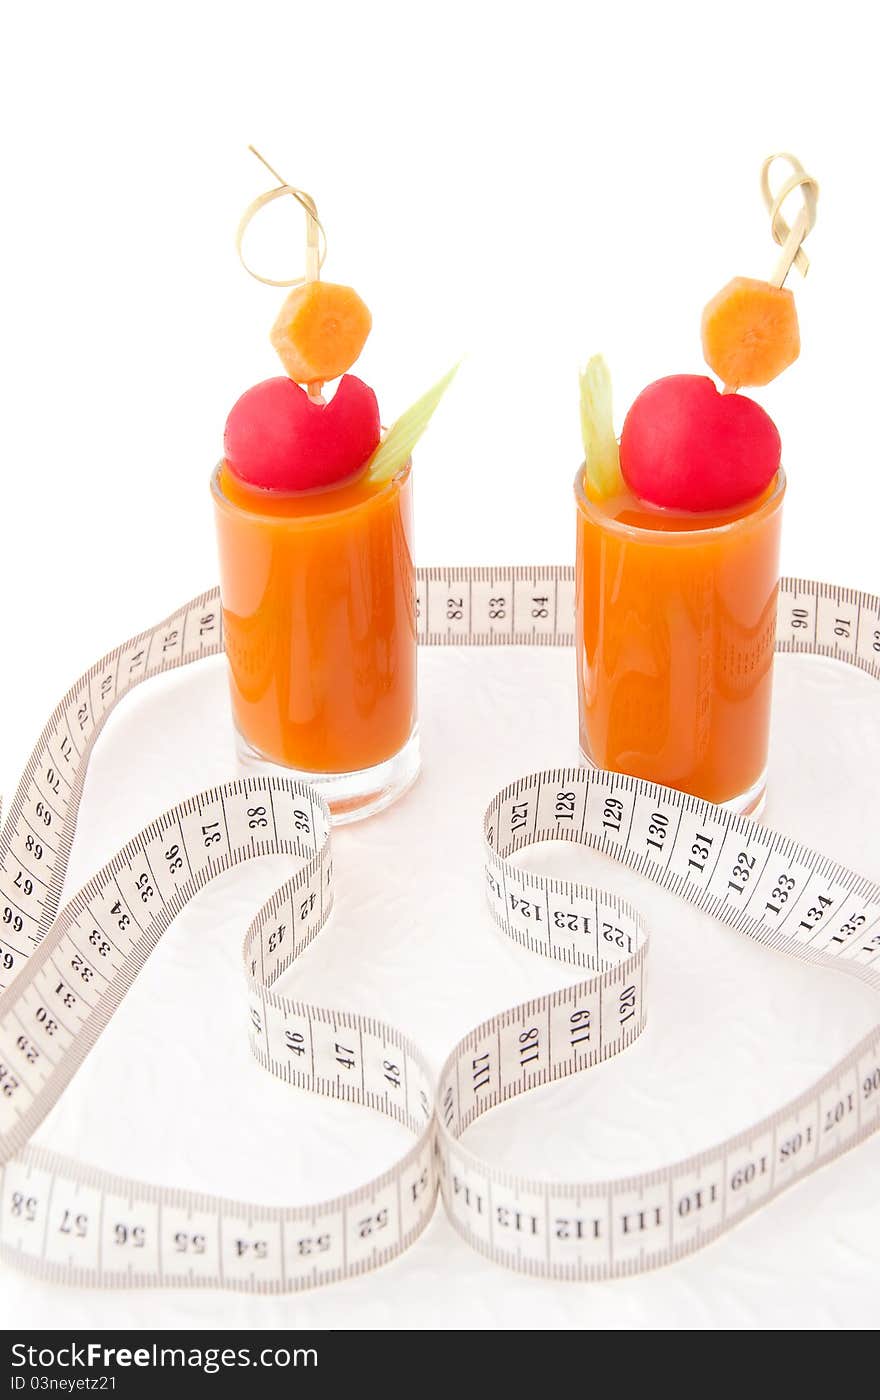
(675, 638)
(318, 595)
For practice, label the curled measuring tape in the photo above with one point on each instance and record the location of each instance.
(66, 971)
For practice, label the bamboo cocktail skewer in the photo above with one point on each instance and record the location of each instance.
(789, 237)
(315, 238)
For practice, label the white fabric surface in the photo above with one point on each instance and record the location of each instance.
(171, 1093)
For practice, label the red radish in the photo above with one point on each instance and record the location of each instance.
(278, 438)
(687, 447)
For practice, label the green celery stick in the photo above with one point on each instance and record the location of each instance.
(601, 452)
(395, 449)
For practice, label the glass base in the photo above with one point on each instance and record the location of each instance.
(746, 804)
(750, 803)
(350, 796)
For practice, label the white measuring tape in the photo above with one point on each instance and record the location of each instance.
(66, 972)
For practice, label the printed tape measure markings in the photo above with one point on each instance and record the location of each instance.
(820, 1123)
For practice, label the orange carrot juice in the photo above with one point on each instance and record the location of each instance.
(676, 616)
(318, 591)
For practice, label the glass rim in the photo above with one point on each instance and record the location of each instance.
(593, 511)
(393, 483)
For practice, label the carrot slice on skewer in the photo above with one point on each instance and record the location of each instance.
(750, 332)
(320, 331)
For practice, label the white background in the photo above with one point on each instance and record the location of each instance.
(523, 184)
